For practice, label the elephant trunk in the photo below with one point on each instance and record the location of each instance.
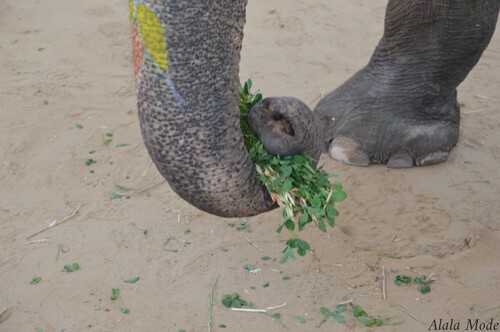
(186, 62)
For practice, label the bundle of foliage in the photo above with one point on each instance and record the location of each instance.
(305, 194)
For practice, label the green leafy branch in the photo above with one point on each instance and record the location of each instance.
(305, 194)
(358, 313)
(233, 301)
(423, 283)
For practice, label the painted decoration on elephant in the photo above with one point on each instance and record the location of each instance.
(148, 34)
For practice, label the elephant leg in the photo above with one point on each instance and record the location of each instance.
(401, 109)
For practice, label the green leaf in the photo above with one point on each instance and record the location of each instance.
(419, 280)
(285, 278)
(290, 225)
(424, 289)
(300, 319)
(115, 292)
(287, 253)
(233, 300)
(114, 195)
(249, 267)
(248, 86)
(124, 310)
(257, 98)
(331, 222)
(338, 196)
(78, 126)
(302, 247)
(222, 326)
(37, 329)
(132, 280)
(287, 185)
(402, 280)
(338, 317)
(322, 226)
(368, 321)
(316, 202)
(340, 308)
(35, 280)
(318, 212)
(71, 267)
(242, 225)
(331, 212)
(90, 162)
(358, 312)
(286, 171)
(276, 315)
(325, 312)
(265, 258)
(304, 219)
(227, 303)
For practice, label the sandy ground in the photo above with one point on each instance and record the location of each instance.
(66, 87)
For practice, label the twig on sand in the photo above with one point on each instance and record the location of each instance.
(248, 310)
(211, 306)
(39, 241)
(56, 223)
(384, 291)
(149, 188)
(146, 171)
(345, 302)
(473, 111)
(259, 310)
(403, 309)
(413, 270)
(275, 317)
(253, 244)
(315, 257)
(276, 307)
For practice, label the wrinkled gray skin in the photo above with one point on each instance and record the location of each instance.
(401, 109)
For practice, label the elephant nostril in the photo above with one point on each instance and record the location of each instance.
(284, 126)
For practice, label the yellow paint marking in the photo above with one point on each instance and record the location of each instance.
(131, 12)
(153, 35)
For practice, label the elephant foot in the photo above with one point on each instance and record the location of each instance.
(363, 131)
(401, 109)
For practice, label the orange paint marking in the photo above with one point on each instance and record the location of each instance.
(137, 51)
